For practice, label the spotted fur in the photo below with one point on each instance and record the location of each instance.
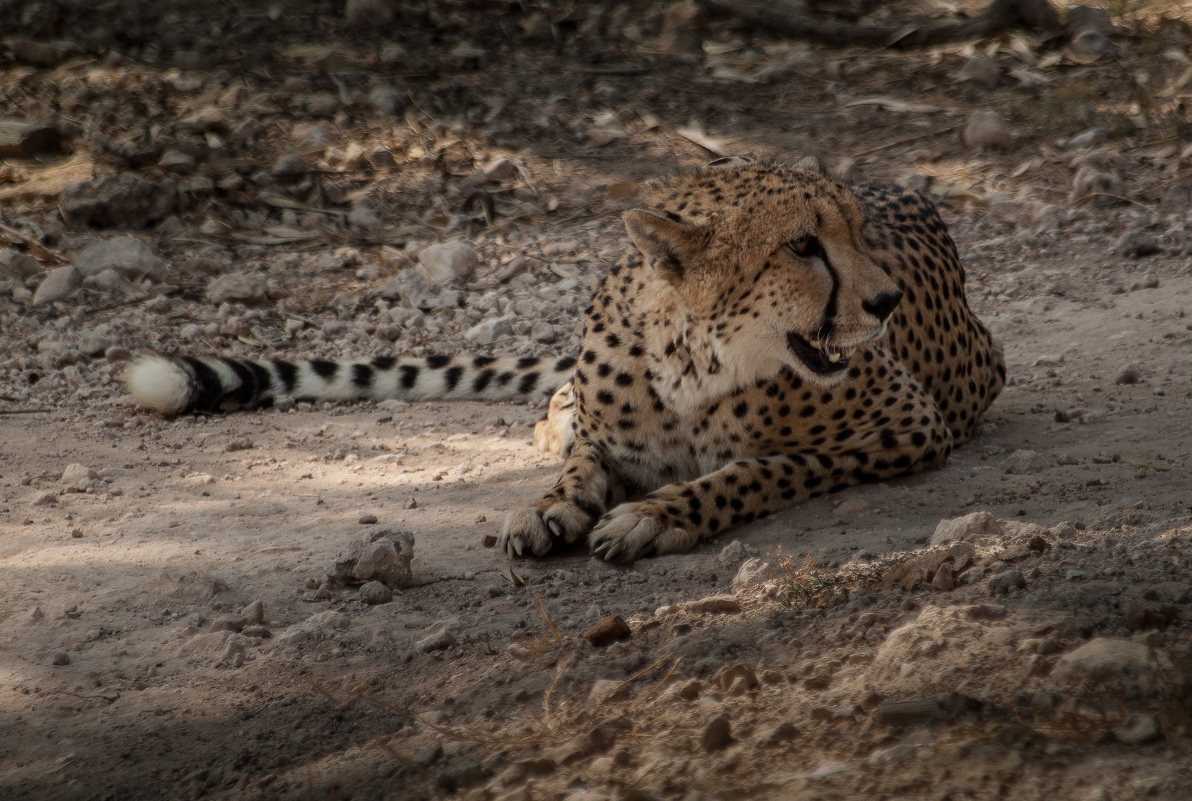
(775, 336)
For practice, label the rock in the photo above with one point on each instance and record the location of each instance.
(318, 626)
(753, 571)
(713, 605)
(58, 284)
(243, 287)
(1005, 581)
(737, 679)
(60, 658)
(448, 262)
(374, 592)
(1026, 462)
(1090, 45)
(1137, 729)
(367, 520)
(488, 331)
(499, 169)
(543, 332)
(417, 291)
(440, 638)
(944, 578)
(1136, 244)
(128, 256)
(1089, 138)
(75, 474)
(987, 130)
(975, 526)
(364, 220)
(981, 70)
(289, 167)
(1130, 374)
(1090, 180)
(607, 630)
(717, 734)
(229, 622)
(177, 161)
(1105, 660)
(383, 556)
(254, 613)
(125, 200)
(734, 552)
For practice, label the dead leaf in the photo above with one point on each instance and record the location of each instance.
(695, 133)
(621, 190)
(893, 104)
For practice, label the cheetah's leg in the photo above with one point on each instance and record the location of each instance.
(677, 517)
(556, 433)
(587, 487)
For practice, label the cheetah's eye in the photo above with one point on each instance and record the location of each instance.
(805, 246)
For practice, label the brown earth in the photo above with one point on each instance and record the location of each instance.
(1042, 650)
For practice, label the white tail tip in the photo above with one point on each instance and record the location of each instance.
(158, 383)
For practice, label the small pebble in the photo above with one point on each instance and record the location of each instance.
(60, 658)
(367, 520)
(607, 631)
(374, 592)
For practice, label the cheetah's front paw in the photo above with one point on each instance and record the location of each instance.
(536, 529)
(632, 531)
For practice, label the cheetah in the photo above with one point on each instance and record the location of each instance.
(773, 335)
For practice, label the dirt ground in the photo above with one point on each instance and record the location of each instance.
(167, 627)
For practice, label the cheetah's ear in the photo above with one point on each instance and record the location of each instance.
(666, 244)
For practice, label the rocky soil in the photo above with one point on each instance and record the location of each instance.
(304, 602)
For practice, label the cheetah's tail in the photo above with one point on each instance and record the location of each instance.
(180, 384)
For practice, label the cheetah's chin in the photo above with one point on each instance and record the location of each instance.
(819, 357)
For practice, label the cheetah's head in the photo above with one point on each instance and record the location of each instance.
(770, 263)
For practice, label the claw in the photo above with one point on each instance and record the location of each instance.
(553, 525)
(517, 545)
(614, 551)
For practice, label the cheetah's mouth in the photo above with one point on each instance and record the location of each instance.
(819, 357)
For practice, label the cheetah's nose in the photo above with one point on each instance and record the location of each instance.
(883, 305)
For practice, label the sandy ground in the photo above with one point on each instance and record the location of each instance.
(842, 649)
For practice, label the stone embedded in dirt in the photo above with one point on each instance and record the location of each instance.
(289, 167)
(543, 332)
(1105, 660)
(254, 613)
(1090, 180)
(243, 287)
(44, 498)
(60, 658)
(737, 679)
(124, 201)
(127, 255)
(607, 630)
(367, 520)
(417, 291)
(1136, 244)
(441, 637)
(488, 331)
(1089, 138)
(75, 474)
(229, 622)
(1005, 581)
(713, 605)
(1130, 374)
(364, 220)
(58, 284)
(944, 578)
(374, 592)
(975, 526)
(448, 262)
(1088, 46)
(1137, 729)
(987, 130)
(753, 571)
(318, 626)
(383, 556)
(1025, 462)
(717, 734)
(735, 551)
